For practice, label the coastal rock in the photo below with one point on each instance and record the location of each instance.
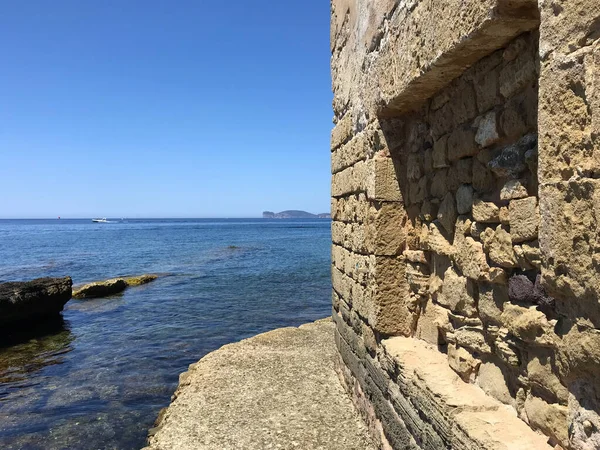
(110, 287)
(33, 300)
(275, 390)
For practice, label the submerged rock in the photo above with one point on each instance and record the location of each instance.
(111, 287)
(33, 300)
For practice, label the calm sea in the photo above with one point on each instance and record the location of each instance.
(97, 378)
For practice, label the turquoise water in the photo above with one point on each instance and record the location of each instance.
(97, 378)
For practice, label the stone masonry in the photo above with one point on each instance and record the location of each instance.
(466, 220)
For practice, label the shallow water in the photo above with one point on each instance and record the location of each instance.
(97, 378)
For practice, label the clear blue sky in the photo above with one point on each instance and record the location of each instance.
(186, 108)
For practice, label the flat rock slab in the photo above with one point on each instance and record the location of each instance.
(277, 390)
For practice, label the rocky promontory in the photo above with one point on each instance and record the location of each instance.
(294, 214)
(30, 301)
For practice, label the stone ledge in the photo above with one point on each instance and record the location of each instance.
(275, 390)
(433, 399)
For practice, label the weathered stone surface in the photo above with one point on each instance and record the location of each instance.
(487, 132)
(460, 413)
(457, 294)
(528, 324)
(469, 256)
(511, 162)
(524, 219)
(264, 392)
(485, 212)
(492, 298)
(440, 159)
(513, 189)
(464, 199)
(110, 287)
(501, 249)
(433, 324)
(492, 380)
(447, 212)
(33, 301)
(550, 418)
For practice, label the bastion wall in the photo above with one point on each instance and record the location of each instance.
(466, 206)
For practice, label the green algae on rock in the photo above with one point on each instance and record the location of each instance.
(111, 287)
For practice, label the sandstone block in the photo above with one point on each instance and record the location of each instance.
(342, 132)
(440, 159)
(541, 374)
(461, 143)
(549, 418)
(513, 189)
(458, 294)
(500, 248)
(492, 380)
(470, 257)
(524, 219)
(462, 362)
(485, 212)
(487, 131)
(432, 324)
(382, 182)
(492, 298)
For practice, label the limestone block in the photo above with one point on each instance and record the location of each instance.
(389, 219)
(485, 212)
(461, 143)
(429, 210)
(569, 244)
(492, 298)
(440, 159)
(432, 324)
(470, 257)
(460, 413)
(447, 213)
(524, 219)
(464, 199)
(382, 184)
(487, 131)
(486, 88)
(518, 74)
(414, 169)
(342, 132)
(355, 150)
(541, 374)
(435, 241)
(492, 380)
(472, 338)
(415, 256)
(462, 362)
(391, 311)
(529, 325)
(458, 294)
(549, 418)
(463, 170)
(513, 189)
(569, 112)
(504, 216)
(501, 249)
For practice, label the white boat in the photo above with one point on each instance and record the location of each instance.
(100, 220)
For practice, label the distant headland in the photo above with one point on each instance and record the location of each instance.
(294, 214)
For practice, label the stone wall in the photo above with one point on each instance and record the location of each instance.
(452, 247)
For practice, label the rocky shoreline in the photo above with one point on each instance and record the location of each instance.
(25, 303)
(274, 390)
(33, 301)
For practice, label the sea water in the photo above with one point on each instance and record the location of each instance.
(97, 378)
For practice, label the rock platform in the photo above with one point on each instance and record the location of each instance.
(277, 390)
